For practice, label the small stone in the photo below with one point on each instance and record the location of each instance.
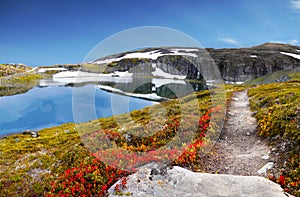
(248, 134)
(274, 149)
(17, 140)
(266, 167)
(34, 135)
(67, 131)
(265, 157)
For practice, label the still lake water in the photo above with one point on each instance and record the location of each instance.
(50, 106)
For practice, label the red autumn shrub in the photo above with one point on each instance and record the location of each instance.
(93, 177)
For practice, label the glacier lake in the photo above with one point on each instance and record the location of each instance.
(43, 107)
(52, 102)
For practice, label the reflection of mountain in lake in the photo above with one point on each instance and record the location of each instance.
(173, 90)
(148, 88)
(50, 106)
(165, 88)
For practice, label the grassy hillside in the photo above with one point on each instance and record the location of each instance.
(63, 159)
(278, 114)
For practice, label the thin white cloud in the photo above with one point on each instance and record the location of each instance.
(229, 40)
(278, 41)
(293, 42)
(295, 4)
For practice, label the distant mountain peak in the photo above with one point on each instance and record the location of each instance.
(275, 46)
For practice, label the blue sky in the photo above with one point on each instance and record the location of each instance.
(47, 32)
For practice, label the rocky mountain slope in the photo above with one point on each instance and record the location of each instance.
(9, 69)
(249, 63)
(235, 65)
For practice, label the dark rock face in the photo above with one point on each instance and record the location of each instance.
(249, 63)
(234, 64)
(178, 65)
(172, 64)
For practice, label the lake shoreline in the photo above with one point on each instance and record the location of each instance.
(39, 84)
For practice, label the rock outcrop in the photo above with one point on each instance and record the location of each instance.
(10, 69)
(235, 65)
(154, 180)
(248, 63)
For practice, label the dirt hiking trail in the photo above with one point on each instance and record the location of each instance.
(240, 151)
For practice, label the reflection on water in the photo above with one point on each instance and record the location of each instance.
(50, 106)
(139, 87)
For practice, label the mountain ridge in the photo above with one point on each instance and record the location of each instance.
(235, 64)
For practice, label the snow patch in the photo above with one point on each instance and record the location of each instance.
(51, 82)
(148, 55)
(106, 61)
(189, 50)
(298, 50)
(35, 68)
(179, 52)
(81, 77)
(123, 74)
(65, 81)
(254, 56)
(74, 74)
(80, 74)
(160, 73)
(160, 82)
(153, 55)
(210, 82)
(292, 55)
(151, 96)
(237, 82)
(42, 70)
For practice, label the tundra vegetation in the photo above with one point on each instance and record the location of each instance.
(66, 160)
